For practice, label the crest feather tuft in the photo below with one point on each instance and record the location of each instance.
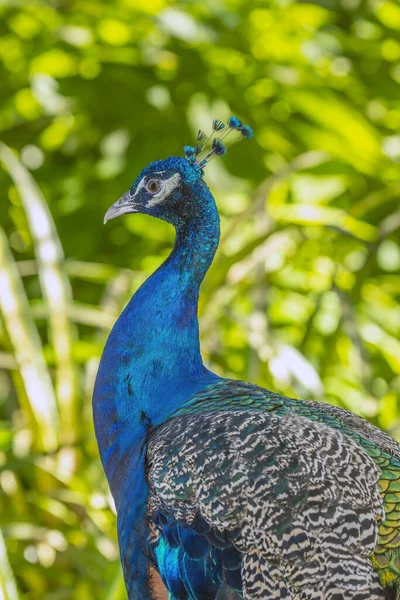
(207, 147)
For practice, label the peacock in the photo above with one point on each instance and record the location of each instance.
(226, 489)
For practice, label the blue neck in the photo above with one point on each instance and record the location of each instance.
(152, 361)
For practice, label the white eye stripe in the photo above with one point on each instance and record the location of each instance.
(167, 187)
(139, 187)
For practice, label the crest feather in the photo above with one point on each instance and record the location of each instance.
(207, 147)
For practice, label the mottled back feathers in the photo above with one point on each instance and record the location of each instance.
(295, 505)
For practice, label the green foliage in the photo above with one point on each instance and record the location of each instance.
(304, 294)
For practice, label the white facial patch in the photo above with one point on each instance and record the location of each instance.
(139, 187)
(167, 187)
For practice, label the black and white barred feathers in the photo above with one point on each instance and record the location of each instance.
(282, 506)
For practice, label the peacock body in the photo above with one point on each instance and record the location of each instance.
(227, 489)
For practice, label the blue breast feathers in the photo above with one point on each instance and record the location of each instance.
(195, 562)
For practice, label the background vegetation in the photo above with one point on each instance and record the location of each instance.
(304, 294)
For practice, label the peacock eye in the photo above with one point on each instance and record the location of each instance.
(153, 186)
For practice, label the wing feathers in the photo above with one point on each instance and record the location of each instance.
(302, 498)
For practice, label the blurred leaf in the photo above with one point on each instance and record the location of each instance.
(28, 350)
(8, 588)
(55, 285)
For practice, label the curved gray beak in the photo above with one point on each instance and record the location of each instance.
(120, 207)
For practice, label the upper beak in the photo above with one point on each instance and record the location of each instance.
(120, 207)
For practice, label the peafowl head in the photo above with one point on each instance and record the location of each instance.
(172, 189)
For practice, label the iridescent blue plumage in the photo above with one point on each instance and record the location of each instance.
(151, 362)
(227, 490)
